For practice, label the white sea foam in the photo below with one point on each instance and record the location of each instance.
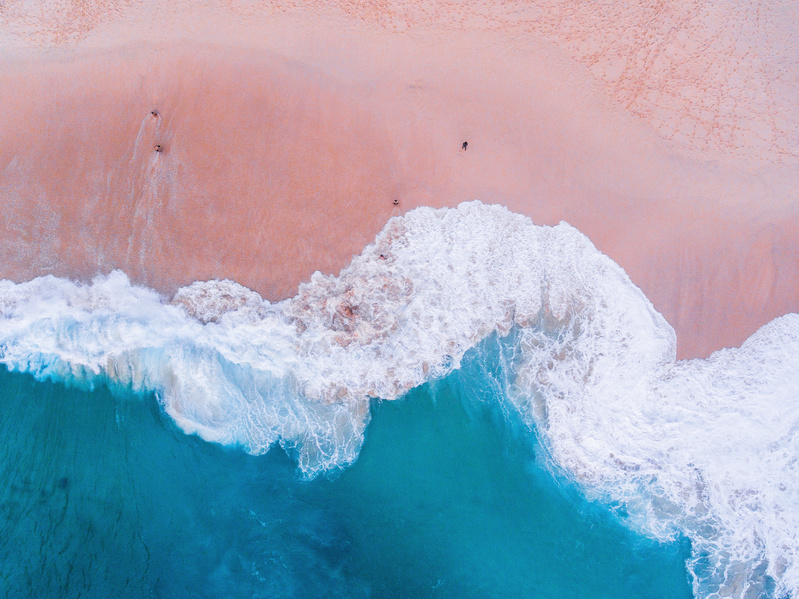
(705, 448)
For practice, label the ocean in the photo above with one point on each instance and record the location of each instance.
(475, 407)
(105, 497)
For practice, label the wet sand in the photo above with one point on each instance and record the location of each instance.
(284, 143)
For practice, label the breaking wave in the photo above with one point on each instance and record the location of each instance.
(707, 449)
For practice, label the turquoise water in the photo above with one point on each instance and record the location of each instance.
(103, 497)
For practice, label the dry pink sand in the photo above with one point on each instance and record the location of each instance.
(288, 131)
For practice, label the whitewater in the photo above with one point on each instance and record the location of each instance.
(705, 449)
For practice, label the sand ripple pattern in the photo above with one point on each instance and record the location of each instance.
(716, 79)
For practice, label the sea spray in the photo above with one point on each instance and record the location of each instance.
(594, 370)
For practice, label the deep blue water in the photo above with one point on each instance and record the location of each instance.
(103, 497)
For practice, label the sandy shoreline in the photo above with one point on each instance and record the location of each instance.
(282, 157)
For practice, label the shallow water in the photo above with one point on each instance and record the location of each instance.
(450, 497)
(583, 378)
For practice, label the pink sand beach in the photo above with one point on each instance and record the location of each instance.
(289, 134)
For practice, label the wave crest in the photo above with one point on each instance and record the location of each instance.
(704, 448)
